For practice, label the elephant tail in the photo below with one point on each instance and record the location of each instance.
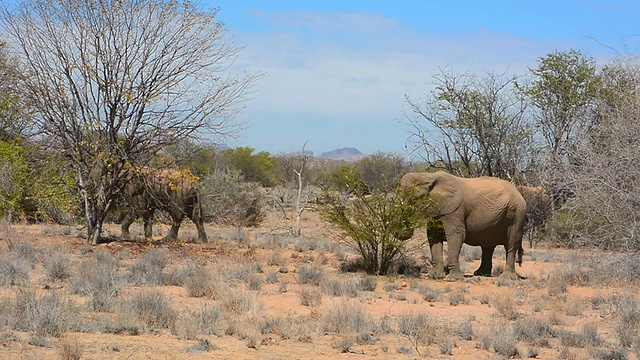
(519, 255)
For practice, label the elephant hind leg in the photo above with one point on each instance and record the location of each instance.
(173, 233)
(196, 217)
(128, 219)
(176, 220)
(487, 262)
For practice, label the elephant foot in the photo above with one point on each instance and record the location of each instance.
(436, 275)
(482, 272)
(454, 276)
(169, 239)
(511, 275)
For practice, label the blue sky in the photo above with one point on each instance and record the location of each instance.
(337, 71)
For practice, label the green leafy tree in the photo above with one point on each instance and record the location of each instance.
(201, 159)
(346, 179)
(378, 225)
(50, 187)
(564, 92)
(253, 167)
(33, 184)
(114, 82)
(13, 179)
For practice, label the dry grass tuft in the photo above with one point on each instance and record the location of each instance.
(151, 309)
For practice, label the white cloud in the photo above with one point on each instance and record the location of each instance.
(354, 68)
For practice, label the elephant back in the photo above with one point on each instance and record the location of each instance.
(161, 188)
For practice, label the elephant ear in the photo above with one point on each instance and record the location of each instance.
(447, 193)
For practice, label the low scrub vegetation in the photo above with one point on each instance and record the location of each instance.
(262, 296)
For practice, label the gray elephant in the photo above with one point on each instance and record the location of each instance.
(172, 191)
(539, 208)
(482, 212)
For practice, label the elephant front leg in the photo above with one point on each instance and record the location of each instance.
(437, 272)
(454, 245)
(487, 262)
(147, 217)
(126, 222)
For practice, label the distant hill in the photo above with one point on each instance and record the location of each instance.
(346, 154)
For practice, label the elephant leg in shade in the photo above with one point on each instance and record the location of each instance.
(487, 262)
(437, 272)
(130, 217)
(173, 233)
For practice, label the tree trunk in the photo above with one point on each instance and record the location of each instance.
(94, 228)
(95, 211)
(299, 207)
(94, 236)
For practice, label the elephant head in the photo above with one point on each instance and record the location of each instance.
(446, 195)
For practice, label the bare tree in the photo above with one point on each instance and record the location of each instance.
(113, 82)
(228, 198)
(472, 126)
(302, 198)
(294, 168)
(381, 169)
(605, 211)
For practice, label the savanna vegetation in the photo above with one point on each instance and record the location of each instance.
(301, 250)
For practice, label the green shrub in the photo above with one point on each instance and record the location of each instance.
(376, 225)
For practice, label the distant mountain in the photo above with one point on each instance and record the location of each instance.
(346, 154)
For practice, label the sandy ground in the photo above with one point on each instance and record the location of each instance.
(394, 296)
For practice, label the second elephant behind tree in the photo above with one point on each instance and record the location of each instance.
(170, 190)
